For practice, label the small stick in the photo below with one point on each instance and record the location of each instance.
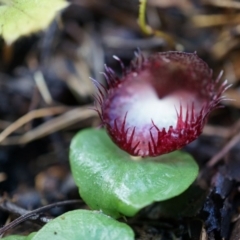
(224, 3)
(56, 124)
(34, 213)
(30, 116)
(42, 87)
(224, 150)
(12, 208)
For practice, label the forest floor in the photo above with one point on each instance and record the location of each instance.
(45, 95)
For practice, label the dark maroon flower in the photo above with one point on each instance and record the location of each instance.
(160, 104)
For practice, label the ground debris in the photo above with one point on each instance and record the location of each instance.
(46, 96)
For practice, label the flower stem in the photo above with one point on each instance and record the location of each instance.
(148, 30)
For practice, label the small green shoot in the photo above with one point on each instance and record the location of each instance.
(148, 30)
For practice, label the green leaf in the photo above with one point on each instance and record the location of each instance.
(22, 17)
(14, 237)
(111, 181)
(84, 225)
(19, 237)
(30, 236)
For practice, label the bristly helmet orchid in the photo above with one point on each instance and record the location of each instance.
(160, 104)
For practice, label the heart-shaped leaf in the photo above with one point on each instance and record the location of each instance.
(110, 180)
(14, 237)
(83, 224)
(19, 237)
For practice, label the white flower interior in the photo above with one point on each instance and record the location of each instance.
(143, 106)
(148, 107)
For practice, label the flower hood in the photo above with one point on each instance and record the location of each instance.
(160, 103)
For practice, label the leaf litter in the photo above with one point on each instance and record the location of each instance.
(67, 54)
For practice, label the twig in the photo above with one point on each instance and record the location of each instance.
(209, 130)
(215, 20)
(42, 87)
(224, 3)
(10, 207)
(34, 213)
(29, 117)
(58, 123)
(224, 132)
(224, 150)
